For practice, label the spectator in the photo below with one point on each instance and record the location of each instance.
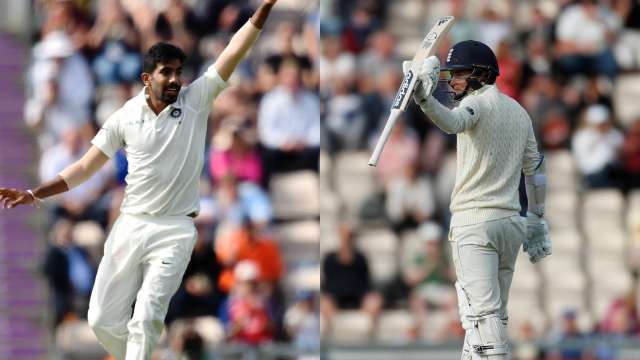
(117, 43)
(303, 323)
(249, 242)
(70, 273)
(198, 294)
(400, 154)
(556, 130)
(380, 53)
(427, 272)
(233, 152)
(61, 89)
(346, 282)
(626, 48)
(510, 70)
(234, 201)
(86, 201)
(345, 117)
(621, 318)
(249, 320)
(569, 333)
(335, 64)
(583, 33)
(596, 147)
(288, 124)
(410, 200)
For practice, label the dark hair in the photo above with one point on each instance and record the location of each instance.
(161, 53)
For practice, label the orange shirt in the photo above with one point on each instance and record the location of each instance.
(234, 246)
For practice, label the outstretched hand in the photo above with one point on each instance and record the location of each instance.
(10, 198)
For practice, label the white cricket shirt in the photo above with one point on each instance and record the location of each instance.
(165, 151)
(495, 143)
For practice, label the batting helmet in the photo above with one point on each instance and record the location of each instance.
(470, 55)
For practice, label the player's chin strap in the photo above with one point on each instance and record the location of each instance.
(536, 187)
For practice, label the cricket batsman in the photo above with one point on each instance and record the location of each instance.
(147, 251)
(495, 143)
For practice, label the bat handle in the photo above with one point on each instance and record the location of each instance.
(393, 117)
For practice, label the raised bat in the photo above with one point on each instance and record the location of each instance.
(428, 47)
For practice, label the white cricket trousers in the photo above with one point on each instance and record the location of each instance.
(144, 260)
(484, 257)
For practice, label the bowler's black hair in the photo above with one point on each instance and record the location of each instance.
(161, 53)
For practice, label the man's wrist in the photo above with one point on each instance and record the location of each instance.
(36, 200)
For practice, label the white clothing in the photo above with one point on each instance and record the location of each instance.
(144, 260)
(484, 257)
(284, 117)
(575, 25)
(165, 151)
(594, 150)
(75, 93)
(495, 143)
(405, 197)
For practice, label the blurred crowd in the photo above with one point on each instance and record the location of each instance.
(86, 62)
(571, 64)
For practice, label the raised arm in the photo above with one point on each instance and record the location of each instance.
(74, 175)
(242, 41)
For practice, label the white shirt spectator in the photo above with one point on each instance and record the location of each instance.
(596, 145)
(575, 25)
(285, 117)
(57, 62)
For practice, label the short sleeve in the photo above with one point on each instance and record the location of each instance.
(109, 138)
(205, 89)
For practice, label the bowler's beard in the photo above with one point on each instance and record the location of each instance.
(168, 97)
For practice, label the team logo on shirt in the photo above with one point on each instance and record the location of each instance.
(470, 110)
(175, 113)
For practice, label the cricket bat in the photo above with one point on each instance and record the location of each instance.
(428, 47)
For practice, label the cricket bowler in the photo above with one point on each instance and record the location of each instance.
(495, 144)
(147, 251)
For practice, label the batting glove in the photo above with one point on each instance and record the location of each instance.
(537, 243)
(428, 76)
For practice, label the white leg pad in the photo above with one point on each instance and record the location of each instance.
(486, 335)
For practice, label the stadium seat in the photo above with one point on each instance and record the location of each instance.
(295, 195)
(526, 277)
(299, 240)
(303, 278)
(351, 327)
(380, 246)
(561, 171)
(354, 181)
(625, 98)
(561, 209)
(567, 241)
(436, 325)
(394, 327)
(329, 236)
